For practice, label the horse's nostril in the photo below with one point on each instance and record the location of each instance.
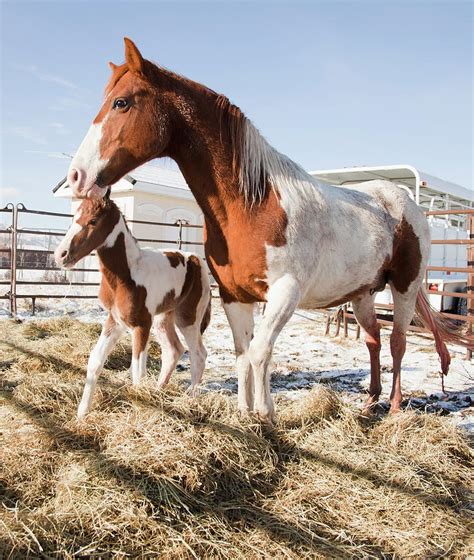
(64, 254)
(75, 175)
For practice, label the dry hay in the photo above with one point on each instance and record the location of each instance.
(162, 474)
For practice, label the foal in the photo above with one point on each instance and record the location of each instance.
(139, 287)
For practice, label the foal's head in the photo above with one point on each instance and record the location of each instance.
(131, 128)
(94, 221)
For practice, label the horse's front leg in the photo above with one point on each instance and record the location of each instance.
(111, 332)
(240, 317)
(282, 299)
(140, 338)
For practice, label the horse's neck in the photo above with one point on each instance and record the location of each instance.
(205, 159)
(120, 252)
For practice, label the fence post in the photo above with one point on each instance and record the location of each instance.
(13, 260)
(470, 282)
(180, 232)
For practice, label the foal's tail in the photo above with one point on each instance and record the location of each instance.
(443, 329)
(206, 318)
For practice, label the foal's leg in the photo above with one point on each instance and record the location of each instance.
(365, 314)
(197, 351)
(140, 337)
(111, 332)
(282, 299)
(240, 317)
(404, 309)
(171, 347)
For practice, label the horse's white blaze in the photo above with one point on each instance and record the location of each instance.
(87, 157)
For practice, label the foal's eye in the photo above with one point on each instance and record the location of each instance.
(93, 222)
(120, 103)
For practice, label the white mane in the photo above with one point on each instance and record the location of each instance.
(259, 161)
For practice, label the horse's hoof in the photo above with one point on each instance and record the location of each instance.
(266, 418)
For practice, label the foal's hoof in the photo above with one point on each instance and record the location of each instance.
(194, 390)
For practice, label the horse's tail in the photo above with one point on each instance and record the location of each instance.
(443, 329)
(206, 318)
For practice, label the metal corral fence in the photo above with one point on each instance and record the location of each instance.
(15, 258)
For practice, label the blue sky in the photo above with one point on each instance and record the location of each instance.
(331, 84)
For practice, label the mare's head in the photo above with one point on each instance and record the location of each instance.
(131, 128)
(93, 222)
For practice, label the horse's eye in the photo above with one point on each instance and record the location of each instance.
(93, 222)
(120, 103)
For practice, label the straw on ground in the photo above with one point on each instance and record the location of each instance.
(167, 475)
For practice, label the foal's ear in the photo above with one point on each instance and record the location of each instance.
(107, 194)
(133, 58)
(112, 66)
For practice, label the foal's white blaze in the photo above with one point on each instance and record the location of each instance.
(66, 242)
(87, 160)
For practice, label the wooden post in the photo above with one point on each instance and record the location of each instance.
(328, 323)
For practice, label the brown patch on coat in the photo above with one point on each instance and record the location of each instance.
(206, 317)
(118, 289)
(236, 249)
(175, 258)
(168, 303)
(109, 325)
(191, 293)
(406, 258)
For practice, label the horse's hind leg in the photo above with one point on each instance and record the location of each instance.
(365, 314)
(171, 347)
(404, 309)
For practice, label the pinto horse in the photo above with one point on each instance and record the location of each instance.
(139, 287)
(273, 233)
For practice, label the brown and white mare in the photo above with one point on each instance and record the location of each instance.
(140, 288)
(272, 232)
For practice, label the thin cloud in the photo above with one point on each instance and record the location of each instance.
(55, 155)
(9, 191)
(59, 128)
(52, 78)
(68, 103)
(28, 133)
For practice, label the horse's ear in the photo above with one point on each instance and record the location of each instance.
(133, 58)
(107, 193)
(112, 66)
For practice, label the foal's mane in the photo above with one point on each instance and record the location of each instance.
(255, 163)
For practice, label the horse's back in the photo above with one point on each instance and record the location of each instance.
(354, 238)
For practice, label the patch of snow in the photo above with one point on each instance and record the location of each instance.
(303, 357)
